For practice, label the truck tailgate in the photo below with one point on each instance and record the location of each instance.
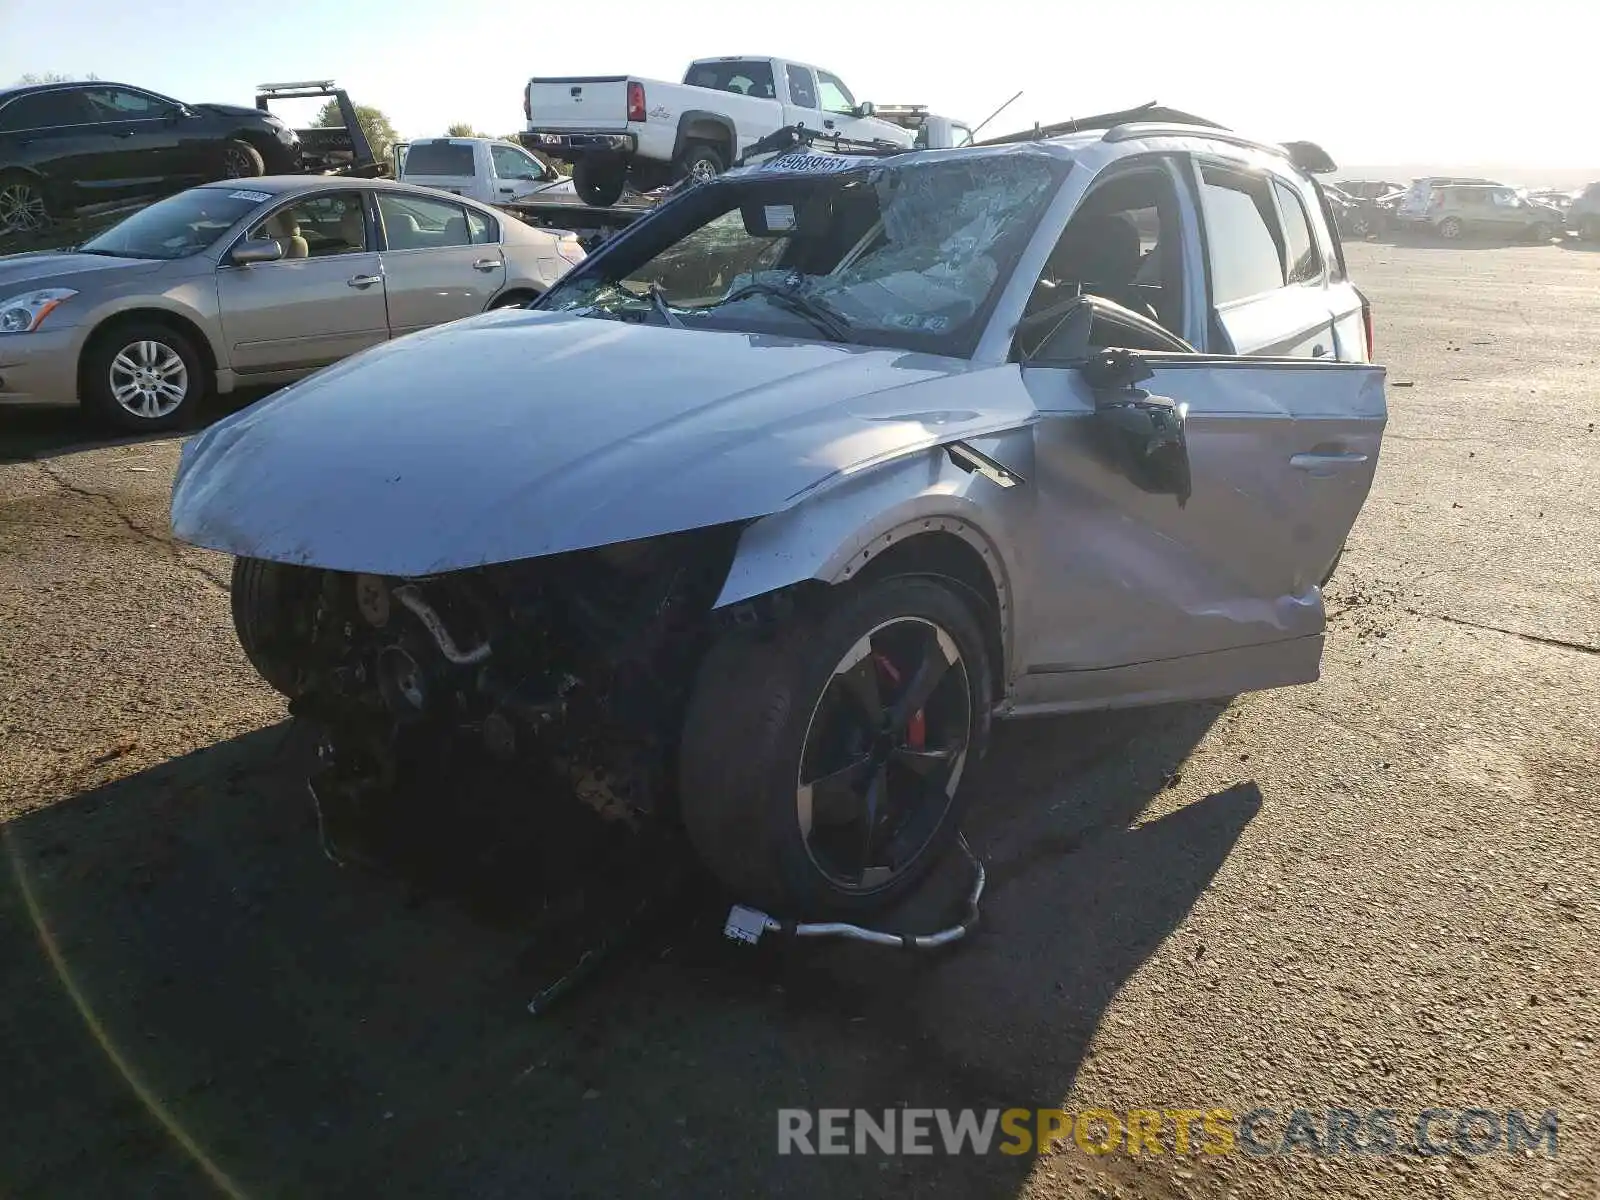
(598, 102)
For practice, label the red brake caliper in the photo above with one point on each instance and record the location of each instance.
(917, 727)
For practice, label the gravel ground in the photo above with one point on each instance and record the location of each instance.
(1376, 891)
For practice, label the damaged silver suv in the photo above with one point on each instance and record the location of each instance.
(756, 519)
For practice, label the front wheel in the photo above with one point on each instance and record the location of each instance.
(820, 770)
(265, 598)
(143, 377)
(1450, 229)
(599, 182)
(239, 160)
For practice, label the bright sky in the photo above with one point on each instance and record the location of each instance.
(1372, 80)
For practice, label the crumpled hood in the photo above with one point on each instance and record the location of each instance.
(522, 433)
(50, 268)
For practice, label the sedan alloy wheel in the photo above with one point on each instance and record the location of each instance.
(149, 379)
(22, 208)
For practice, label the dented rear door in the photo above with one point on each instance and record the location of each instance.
(1282, 454)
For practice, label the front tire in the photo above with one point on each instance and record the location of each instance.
(263, 596)
(143, 377)
(820, 770)
(599, 182)
(239, 160)
(1450, 229)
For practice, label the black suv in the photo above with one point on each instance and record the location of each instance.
(71, 146)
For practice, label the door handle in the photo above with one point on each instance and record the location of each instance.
(126, 133)
(508, 189)
(486, 264)
(827, 124)
(363, 281)
(1325, 462)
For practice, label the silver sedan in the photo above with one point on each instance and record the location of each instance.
(226, 285)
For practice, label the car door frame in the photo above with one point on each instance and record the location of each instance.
(347, 343)
(1275, 639)
(394, 286)
(1294, 318)
(847, 124)
(516, 190)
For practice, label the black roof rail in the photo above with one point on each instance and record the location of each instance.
(1308, 156)
(1143, 112)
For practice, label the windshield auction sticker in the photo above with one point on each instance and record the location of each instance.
(256, 196)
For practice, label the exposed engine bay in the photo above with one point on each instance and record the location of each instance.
(572, 669)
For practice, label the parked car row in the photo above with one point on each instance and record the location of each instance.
(1454, 207)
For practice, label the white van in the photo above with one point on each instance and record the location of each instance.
(483, 169)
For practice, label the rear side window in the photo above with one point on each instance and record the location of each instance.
(440, 158)
(802, 88)
(747, 77)
(45, 109)
(1242, 238)
(417, 223)
(483, 228)
(1299, 246)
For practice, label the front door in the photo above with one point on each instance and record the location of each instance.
(146, 158)
(322, 301)
(1281, 455)
(839, 109)
(437, 267)
(517, 174)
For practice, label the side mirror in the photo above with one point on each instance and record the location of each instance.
(1141, 435)
(866, 109)
(255, 250)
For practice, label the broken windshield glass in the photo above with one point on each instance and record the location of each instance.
(909, 255)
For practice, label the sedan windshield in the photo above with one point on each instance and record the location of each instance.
(178, 226)
(910, 256)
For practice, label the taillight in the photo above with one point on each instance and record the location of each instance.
(1366, 324)
(635, 101)
(527, 102)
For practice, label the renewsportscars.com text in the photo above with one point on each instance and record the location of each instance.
(1181, 1131)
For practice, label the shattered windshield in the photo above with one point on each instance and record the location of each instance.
(910, 256)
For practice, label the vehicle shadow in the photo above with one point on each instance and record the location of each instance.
(199, 1000)
(35, 429)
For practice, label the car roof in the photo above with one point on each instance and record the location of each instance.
(288, 185)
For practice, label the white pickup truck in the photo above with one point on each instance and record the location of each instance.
(611, 126)
(485, 169)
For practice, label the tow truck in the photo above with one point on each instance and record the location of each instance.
(328, 149)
